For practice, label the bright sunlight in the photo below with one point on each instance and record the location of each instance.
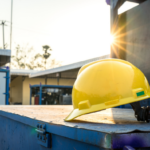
(111, 39)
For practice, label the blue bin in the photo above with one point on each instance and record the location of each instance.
(43, 128)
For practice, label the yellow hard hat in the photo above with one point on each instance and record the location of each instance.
(107, 83)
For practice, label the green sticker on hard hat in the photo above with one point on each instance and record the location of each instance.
(140, 93)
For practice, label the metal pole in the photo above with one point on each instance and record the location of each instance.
(7, 87)
(31, 95)
(40, 97)
(3, 34)
(11, 17)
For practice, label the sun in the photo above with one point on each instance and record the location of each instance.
(111, 39)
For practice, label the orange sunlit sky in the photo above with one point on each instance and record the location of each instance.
(75, 29)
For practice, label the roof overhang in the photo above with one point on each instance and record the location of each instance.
(66, 67)
(17, 72)
(4, 56)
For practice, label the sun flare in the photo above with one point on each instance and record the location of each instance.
(111, 39)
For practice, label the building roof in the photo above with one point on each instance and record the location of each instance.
(5, 52)
(4, 56)
(66, 67)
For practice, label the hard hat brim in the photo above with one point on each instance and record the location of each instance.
(76, 112)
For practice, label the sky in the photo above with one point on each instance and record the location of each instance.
(76, 30)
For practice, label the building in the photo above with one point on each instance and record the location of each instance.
(4, 57)
(132, 32)
(22, 79)
(4, 76)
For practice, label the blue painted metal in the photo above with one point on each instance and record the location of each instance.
(51, 86)
(22, 130)
(43, 137)
(73, 132)
(136, 140)
(128, 148)
(30, 94)
(41, 128)
(17, 136)
(40, 96)
(7, 86)
(7, 71)
(104, 128)
(81, 135)
(67, 136)
(62, 143)
(24, 137)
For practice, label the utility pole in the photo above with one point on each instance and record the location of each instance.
(11, 17)
(3, 24)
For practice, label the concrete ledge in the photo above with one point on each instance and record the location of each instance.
(5, 52)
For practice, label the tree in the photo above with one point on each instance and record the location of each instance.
(32, 64)
(17, 58)
(21, 57)
(6, 45)
(25, 58)
(53, 63)
(46, 55)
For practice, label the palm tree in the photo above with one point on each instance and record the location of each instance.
(44, 56)
(20, 59)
